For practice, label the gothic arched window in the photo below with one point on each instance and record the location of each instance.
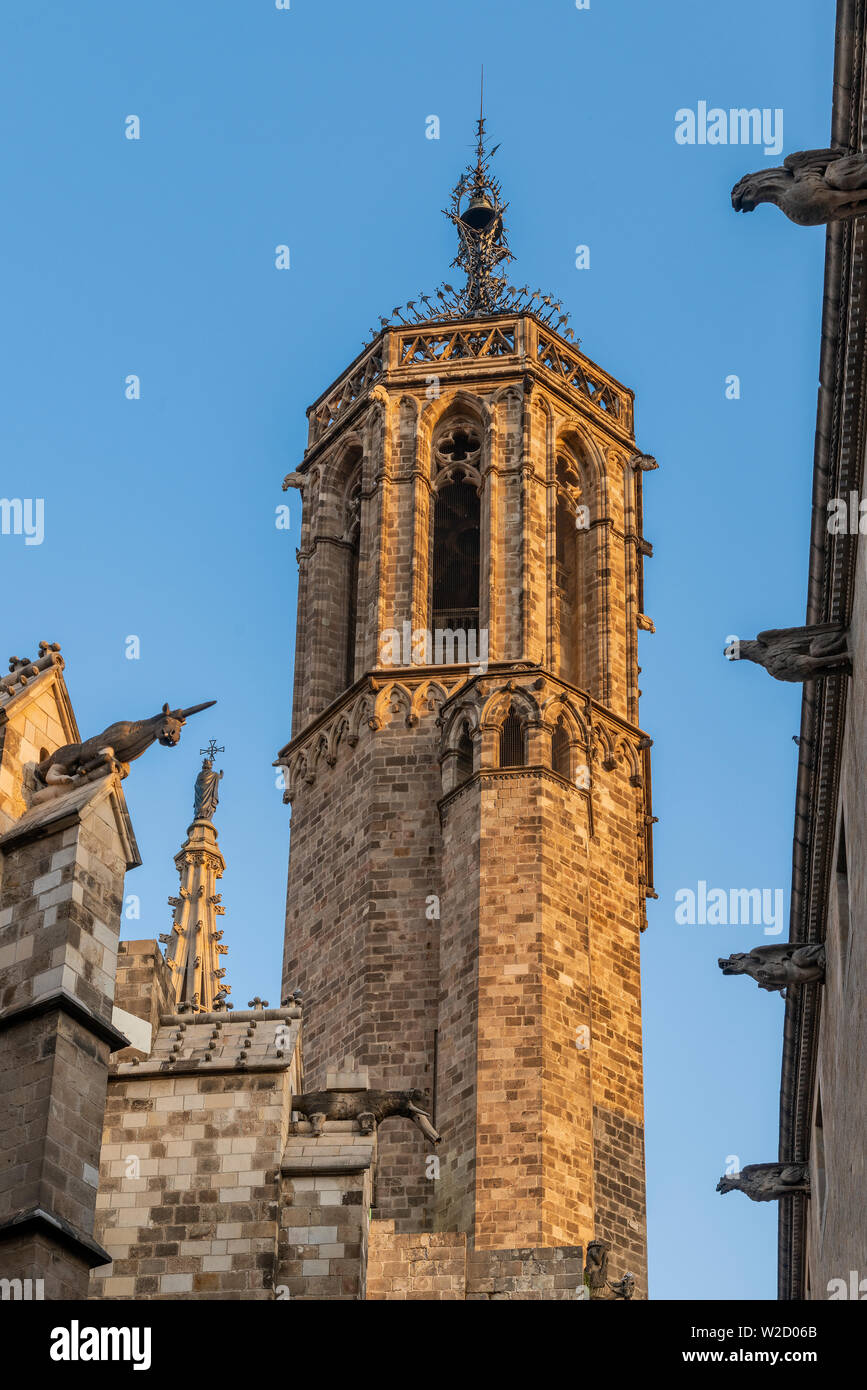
(465, 755)
(560, 748)
(352, 536)
(568, 572)
(456, 527)
(513, 744)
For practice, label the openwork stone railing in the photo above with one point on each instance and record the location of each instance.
(445, 346)
(600, 392)
(347, 390)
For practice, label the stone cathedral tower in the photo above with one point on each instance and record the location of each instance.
(471, 820)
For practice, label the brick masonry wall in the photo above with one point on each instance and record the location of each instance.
(143, 986)
(60, 903)
(359, 943)
(440, 1267)
(616, 901)
(325, 1213)
(458, 1011)
(33, 724)
(189, 1192)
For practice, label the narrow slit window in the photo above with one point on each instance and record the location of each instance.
(560, 748)
(842, 892)
(465, 755)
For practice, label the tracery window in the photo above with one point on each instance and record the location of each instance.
(456, 527)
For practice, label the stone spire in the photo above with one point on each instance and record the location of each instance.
(194, 944)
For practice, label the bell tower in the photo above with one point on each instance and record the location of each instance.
(470, 836)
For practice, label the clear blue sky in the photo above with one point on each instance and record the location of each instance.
(156, 257)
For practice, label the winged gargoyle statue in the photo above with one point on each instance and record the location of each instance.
(116, 747)
(798, 653)
(767, 1182)
(777, 966)
(811, 187)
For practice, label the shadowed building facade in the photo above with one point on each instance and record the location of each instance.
(819, 1171)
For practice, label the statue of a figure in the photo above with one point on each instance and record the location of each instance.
(206, 794)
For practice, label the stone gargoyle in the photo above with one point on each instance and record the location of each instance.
(369, 1108)
(811, 187)
(776, 967)
(798, 653)
(115, 748)
(596, 1280)
(623, 1288)
(596, 1267)
(766, 1182)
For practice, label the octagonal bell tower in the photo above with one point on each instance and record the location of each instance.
(470, 840)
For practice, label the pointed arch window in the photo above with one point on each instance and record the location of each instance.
(352, 536)
(465, 755)
(513, 740)
(560, 748)
(569, 569)
(456, 527)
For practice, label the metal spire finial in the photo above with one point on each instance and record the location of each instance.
(477, 211)
(483, 244)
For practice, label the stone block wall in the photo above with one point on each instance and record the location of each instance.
(143, 990)
(361, 937)
(430, 1266)
(326, 1195)
(442, 1267)
(63, 866)
(189, 1171)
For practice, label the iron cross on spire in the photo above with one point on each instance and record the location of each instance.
(212, 750)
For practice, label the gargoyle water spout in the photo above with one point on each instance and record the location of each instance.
(116, 747)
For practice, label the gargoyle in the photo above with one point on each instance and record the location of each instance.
(623, 1288)
(776, 967)
(115, 748)
(811, 187)
(798, 653)
(596, 1267)
(766, 1182)
(369, 1108)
